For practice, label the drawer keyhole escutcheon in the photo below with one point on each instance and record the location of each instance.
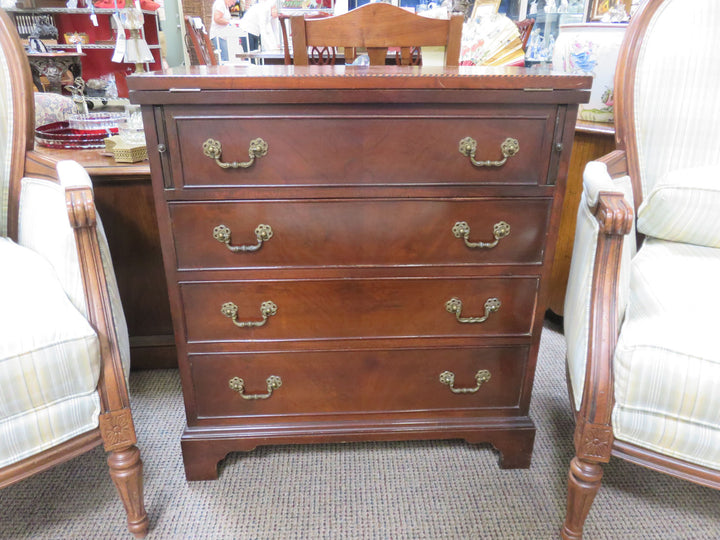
(223, 234)
(267, 309)
(454, 305)
(462, 230)
(448, 378)
(238, 385)
(213, 149)
(509, 147)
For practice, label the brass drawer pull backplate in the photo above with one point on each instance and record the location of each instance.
(509, 148)
(238, 385)
(267, 309)
(448, 377)
(462, 230)
(223, 234)
(213, 149)
(454, 305)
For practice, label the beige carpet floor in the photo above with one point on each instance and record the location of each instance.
(390, 491)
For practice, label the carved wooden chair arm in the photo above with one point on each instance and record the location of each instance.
(614, 215)
(116, 422)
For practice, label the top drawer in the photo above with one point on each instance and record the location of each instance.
(361, 145)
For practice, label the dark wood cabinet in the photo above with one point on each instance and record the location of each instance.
(338, 267)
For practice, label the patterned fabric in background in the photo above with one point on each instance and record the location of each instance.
(50, 107)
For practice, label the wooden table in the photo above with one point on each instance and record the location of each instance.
(123, 196)
(592, 140)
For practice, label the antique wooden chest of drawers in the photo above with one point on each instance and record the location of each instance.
(357, 253)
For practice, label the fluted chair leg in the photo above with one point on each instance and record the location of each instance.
(126, 473)
(584, 479)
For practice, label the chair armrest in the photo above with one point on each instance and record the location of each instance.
(59, 221)
(595, 301)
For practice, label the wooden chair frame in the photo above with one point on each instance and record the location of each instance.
(116, 429)
(376, 27)
(593, 439)
(198, 42)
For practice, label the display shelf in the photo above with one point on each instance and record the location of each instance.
(101, 34)
(70, 11)
(89, 46)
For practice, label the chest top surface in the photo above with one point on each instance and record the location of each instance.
(207, 81)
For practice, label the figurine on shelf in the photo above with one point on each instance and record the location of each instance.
(77, 90)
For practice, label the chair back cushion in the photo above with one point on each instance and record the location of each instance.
(676, 83)
(16, 121)
(684, 206)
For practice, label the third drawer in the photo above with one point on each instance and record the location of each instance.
(358, 308)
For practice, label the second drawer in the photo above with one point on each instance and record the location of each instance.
(356, 232)
(353, 308)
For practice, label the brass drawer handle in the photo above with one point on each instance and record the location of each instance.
(448, 377)
(213, 150)
(267, 309)
(273, 383)
(462, 230)
(509, 148)
(454, 305)
(263, 233)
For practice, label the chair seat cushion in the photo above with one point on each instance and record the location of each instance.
(667, 362)
(49, 359)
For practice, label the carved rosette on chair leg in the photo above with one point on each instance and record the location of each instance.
(118, 433)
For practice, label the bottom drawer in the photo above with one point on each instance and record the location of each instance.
(326, 382)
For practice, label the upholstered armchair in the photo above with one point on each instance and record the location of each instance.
(64, 351)
(641, 324)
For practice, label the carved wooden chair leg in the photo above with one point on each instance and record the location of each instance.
(584, 480)
(126, 473)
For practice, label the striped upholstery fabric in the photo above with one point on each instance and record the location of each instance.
(6, 138)
(676, 122)
(684, 206)
(667, 362)
(577, 297)
(49, 358)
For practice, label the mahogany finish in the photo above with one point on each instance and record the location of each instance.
(362, 200)
(116, 430)
(419, 231)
